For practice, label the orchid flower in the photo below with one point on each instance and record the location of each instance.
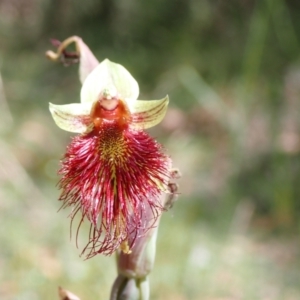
(113, 173)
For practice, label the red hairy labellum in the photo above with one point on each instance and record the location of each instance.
(114, 175)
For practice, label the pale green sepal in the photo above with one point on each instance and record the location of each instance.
(148, 113)
(73, 117)
(108, 75)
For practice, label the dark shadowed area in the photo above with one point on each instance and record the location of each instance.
(232, 72)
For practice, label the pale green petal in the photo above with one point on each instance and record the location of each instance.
(148, 113)
(72, 117)
(109, 75)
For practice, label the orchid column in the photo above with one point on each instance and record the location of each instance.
(113, 173)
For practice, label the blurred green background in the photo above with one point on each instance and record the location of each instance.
(232, 71)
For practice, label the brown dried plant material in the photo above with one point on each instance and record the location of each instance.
(66, 295)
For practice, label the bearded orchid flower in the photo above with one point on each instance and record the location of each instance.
(113, 172)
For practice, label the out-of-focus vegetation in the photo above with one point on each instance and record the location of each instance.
(232, 71)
